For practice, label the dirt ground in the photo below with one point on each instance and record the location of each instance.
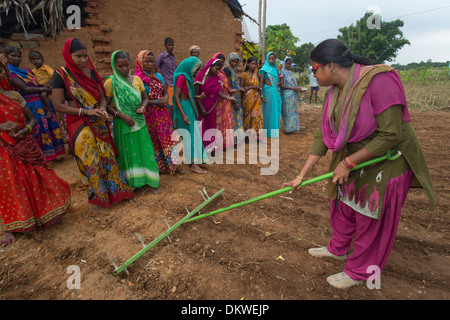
(255, 252)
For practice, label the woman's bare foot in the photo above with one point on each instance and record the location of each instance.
(95, 207)
(155, 190)
(8, 238)
(180, 170)
(197, 169)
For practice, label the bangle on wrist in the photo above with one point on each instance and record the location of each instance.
(29, 127)
(310, 162)
(79, 112)
(345, 165)
(115, 114)
(349, 163)
(299, 177)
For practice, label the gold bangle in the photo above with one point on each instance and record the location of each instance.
(301, 178)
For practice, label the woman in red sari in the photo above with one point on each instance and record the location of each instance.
(31, 194)
(90, 138)
(158, 114)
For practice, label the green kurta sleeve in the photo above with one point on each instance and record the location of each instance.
(318, 147)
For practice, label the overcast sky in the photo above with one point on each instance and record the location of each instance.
(427, 23)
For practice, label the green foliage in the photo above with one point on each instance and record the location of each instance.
(302, 54)
(421, 64)
(279, 39)
(427, 87)
(427, 75)
(378, 45)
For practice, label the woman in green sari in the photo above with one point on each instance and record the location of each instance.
(136, 154)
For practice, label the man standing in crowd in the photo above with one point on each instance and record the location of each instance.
(166, 63)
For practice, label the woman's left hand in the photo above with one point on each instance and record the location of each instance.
(18, 135)
(140, 110)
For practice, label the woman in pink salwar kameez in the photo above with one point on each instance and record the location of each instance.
(365, 115)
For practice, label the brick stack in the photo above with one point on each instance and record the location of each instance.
(99, 34)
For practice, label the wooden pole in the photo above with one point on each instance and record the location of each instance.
(263, 49)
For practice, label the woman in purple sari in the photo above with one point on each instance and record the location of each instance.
(208, 90)
(365, 115)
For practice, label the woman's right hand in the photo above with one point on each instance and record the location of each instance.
(186, 120)
(9, 126)
(294, 184)
(162, 102)
(127, 119)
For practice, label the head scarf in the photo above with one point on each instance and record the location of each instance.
(234, 71)
(90, 85)
(187, 68)
(268, 68)
(140, 72)
(212, 87)
(126, 97)
(272, 71)
(284, 65)
(201, 77)
(194, 47)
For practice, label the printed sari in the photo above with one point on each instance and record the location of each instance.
(289, 108)
(49, 135)
(136, 154)
(224, 112)
(31, 194)
(158, 119)
(234, 85)
(90, 137)
(272, 106)
(251, 103)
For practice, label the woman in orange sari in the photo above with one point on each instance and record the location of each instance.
(251, 104)
(224, 112)
(31, 194)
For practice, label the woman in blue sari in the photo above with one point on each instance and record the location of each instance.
(269, 79)
(289, 90)
(48, 134)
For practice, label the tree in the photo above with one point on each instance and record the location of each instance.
(377, 44)
(279, 39)
(301, 57)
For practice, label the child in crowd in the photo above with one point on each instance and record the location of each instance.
(43, 73)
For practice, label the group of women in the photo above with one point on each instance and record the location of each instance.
(364, 115)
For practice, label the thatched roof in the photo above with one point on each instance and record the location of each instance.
(47, 14)
(237, 10)
(24, 15)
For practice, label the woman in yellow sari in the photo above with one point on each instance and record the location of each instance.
(251, 104)
(88, 126)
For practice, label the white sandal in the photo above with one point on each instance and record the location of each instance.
(342, 281)
(324, 253)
